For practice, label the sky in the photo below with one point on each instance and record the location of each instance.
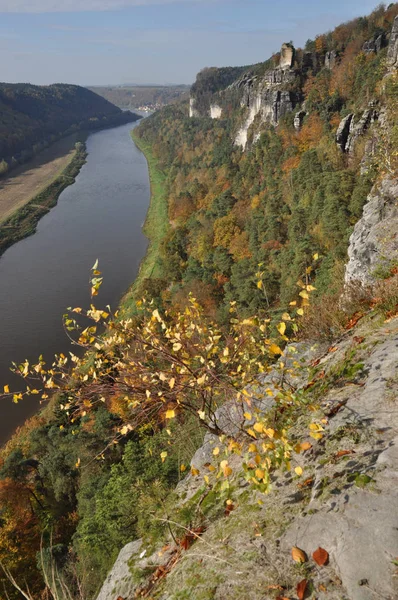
(113, 42)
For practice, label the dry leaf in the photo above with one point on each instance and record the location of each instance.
(320, 556)
(343, 453)
(298, 555)
(305, 446)
(301, 588)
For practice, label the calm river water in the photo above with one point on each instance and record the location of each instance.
(99, 216)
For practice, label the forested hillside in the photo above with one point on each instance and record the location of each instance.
(31, 117)
(231, 430)
(293, 192)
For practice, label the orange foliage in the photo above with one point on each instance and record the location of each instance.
(310, 134)
(239, 246)
(290, 163)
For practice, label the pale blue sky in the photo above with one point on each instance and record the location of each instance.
(153, 41)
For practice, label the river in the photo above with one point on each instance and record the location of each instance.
(99, 216)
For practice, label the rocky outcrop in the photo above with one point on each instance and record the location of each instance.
(374, 45)
(392, 52)
(287, 56)
(373, 244)
(343, 131)
(345, 501)
(351, 128)
(298, 119)
(268, 96)
(215, 111)
(330, 59)
(193, 112)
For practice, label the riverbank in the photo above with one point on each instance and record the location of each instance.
(23, 220)
(155, 227)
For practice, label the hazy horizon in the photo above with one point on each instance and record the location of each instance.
(117, 42)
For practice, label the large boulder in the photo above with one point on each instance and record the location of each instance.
(374, 242)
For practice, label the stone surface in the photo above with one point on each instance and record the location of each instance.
(392, 52)
(374, 45)
(215, 111)
(298, 119)
(330, 59)
(343, 131)
(358, 128)
(287, 56)
(119, 582)
(193, 112)
(374, 241)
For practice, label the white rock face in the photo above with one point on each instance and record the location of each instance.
(254, 109)
(287, 55)
(192, 110)
(374, 241)
(215, 111)
(392, 52)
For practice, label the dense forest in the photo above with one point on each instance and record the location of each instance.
(136, 96)
(250, 236)
(32, 117)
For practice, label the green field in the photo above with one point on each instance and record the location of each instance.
(155, 227)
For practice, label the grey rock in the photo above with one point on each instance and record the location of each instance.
(287, 56)
(358, 128)
(330, 59)
(298, 119)
(374, 241)
(374, 45)
(343, 131)
(392, 52)
(119, 581)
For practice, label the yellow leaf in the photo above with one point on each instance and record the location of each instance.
(216, 451)
(304, 294)
(6, 389)
(202, 414)
(177, 346)
(316, 427)
(293, 303)
(259, 284)
(227, 471)
(206, 478)
(258, 427)
(247, 416)
(259, 473)
(298, 471)
(194, 472)
(172, 382)
(77, 464)
(300, 312)
(282, 328)
(298, 555)
(252, 448)
(269, 432)
(306, 445)
(163, 455)
(316, 436)
(315, 256)
(170, 414)
(183, 468)
(286, 317)
(211, 468)
(202, 379)
(275, 349)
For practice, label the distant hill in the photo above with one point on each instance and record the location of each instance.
(32, 117)
(137, 96)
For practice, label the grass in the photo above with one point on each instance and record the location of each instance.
(155, 227)
(23, 221)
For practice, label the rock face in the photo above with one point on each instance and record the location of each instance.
(352, 127)
(330, 59)
(298, 119)
(374, 241)
(215, 111)
(287, 56)
(343, 131)
(392, 52)
(193, 112)
(374, 45)
(346, 500)
(268, 97)
(119, 583)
